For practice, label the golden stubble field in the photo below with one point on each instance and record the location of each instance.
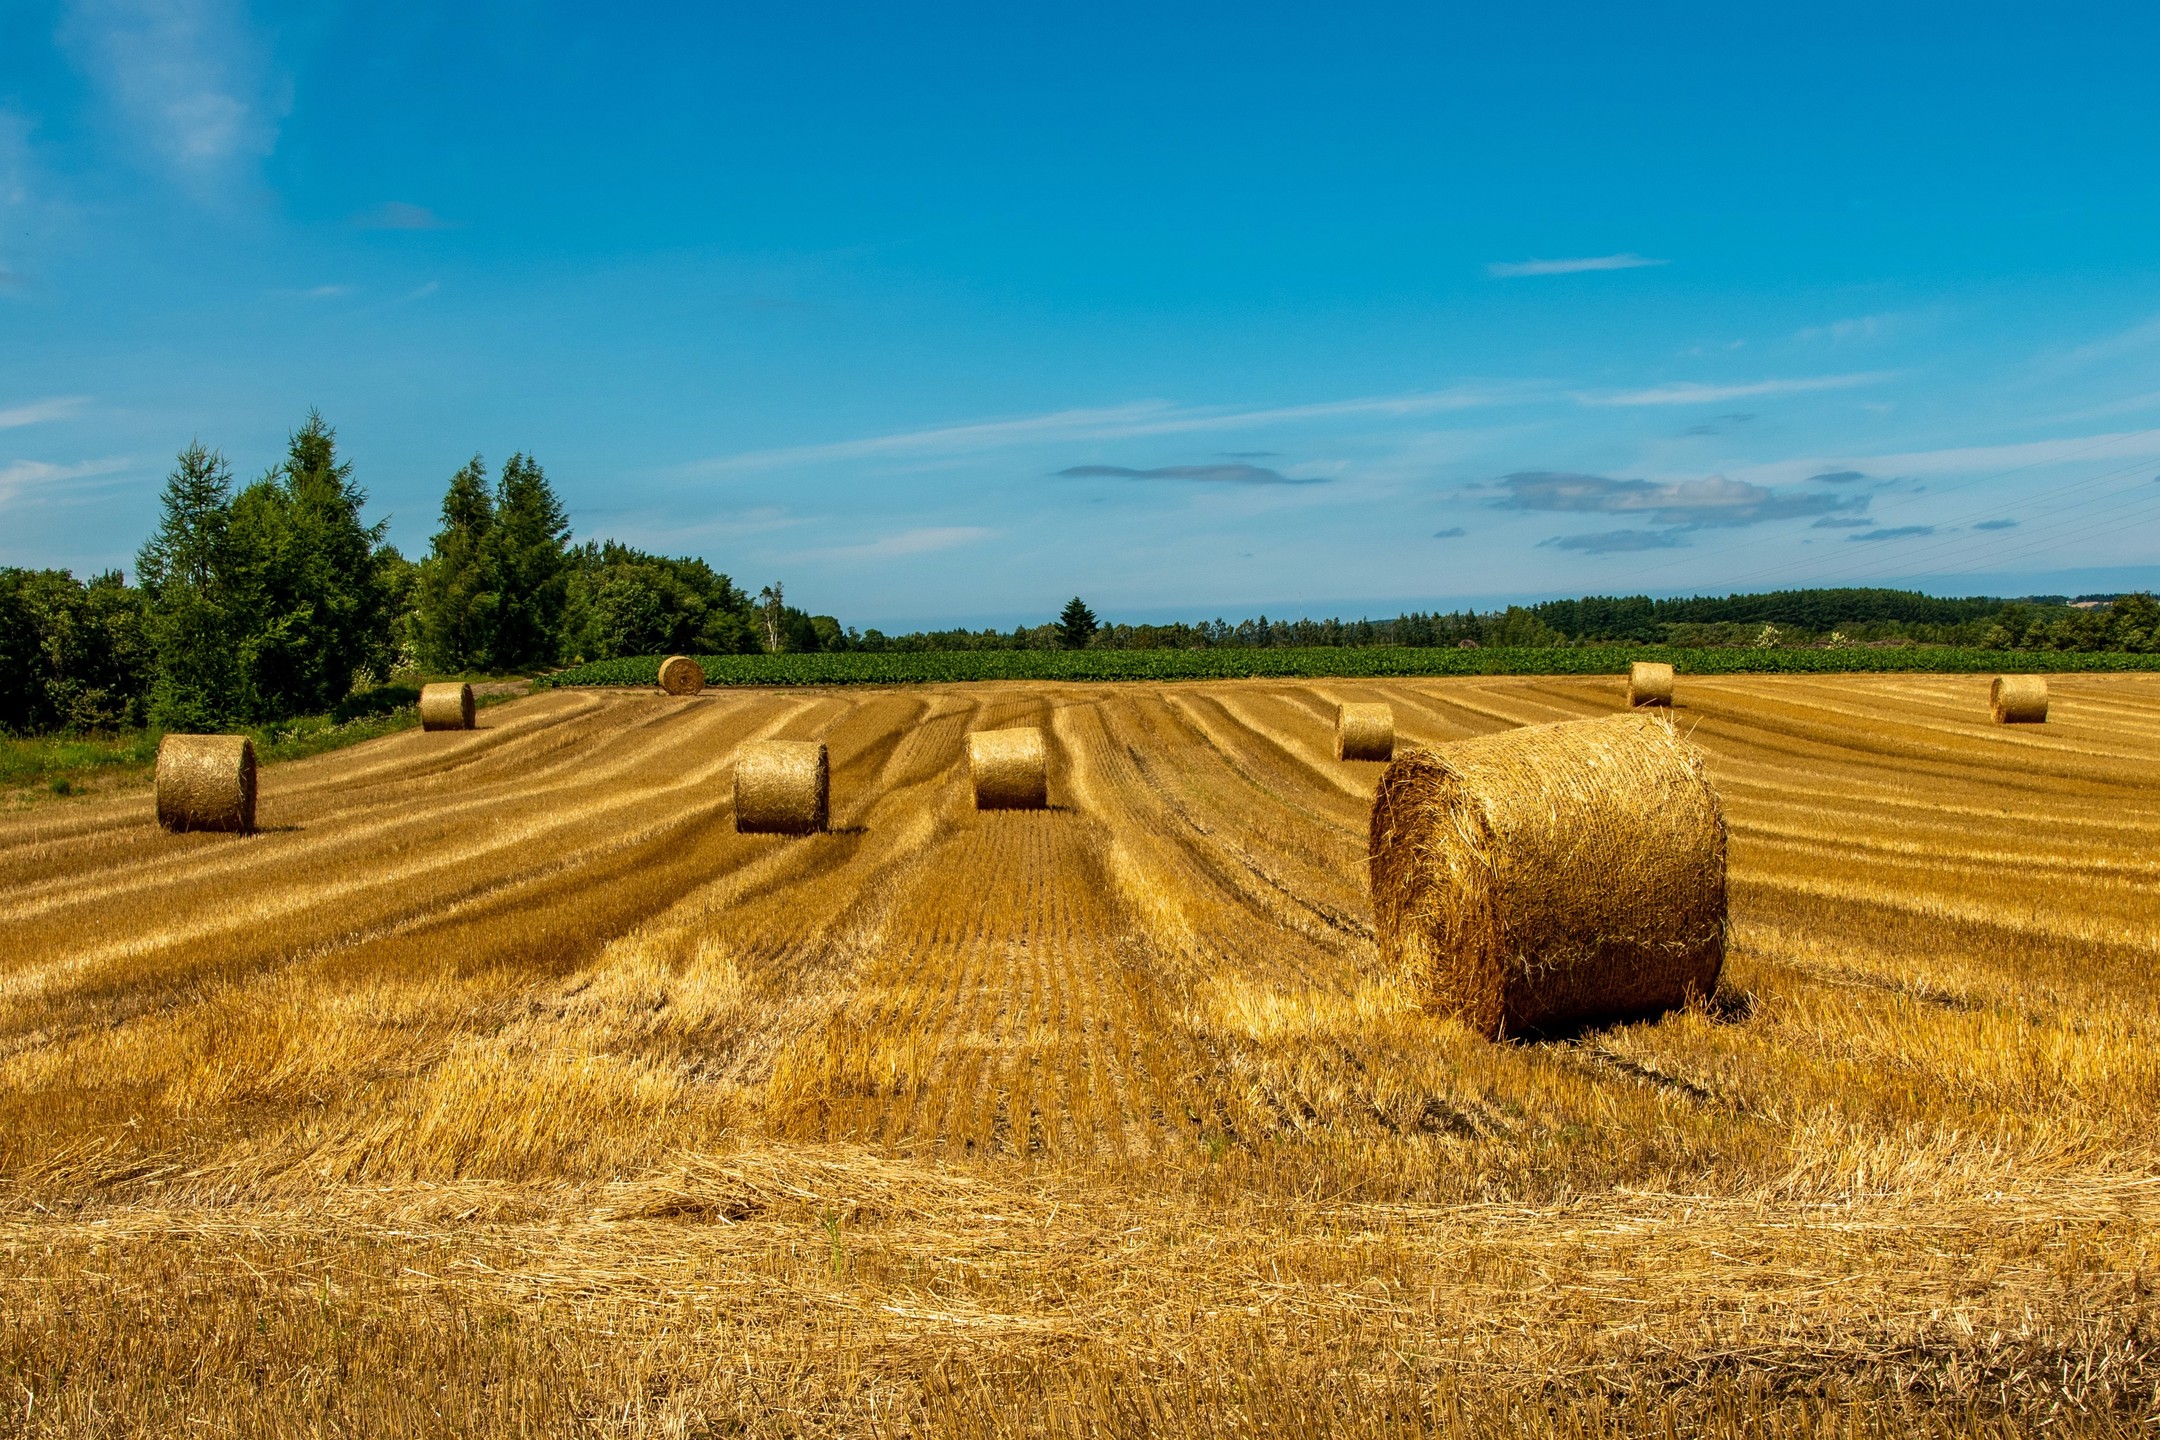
(500, 1088)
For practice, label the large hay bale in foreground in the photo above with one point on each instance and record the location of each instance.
(1364, 732)
(1010, 768)
(1649, 682)
(782, 787)
(206, 782)
(446, 706)
(1552, 875)
(2019, 699)
(681, 675)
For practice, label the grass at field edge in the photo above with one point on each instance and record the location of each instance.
(1331, 662)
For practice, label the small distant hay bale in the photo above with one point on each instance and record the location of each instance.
(681, 675)
(446, 706)
(1364, 732)
(782, 787)
(1649, 682)
(1551, 876)
(1010, 768)
(2019, 699)
(206, 782)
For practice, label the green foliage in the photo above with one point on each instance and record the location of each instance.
(622, 601)
(185, 571)
(453, 608)
(1318, 662)
(1076, 624)
(526, 564)
(73, 656)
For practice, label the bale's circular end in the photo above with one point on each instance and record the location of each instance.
(206, 782)
(1010, 768)
(1649, 682)
(2019, 699)
(782, 787)
(681, 675)
(1364, 732)
(446, 706)
(1552, 875)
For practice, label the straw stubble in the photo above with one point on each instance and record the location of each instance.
(206, 782)
(1551, 875)
(782, 787)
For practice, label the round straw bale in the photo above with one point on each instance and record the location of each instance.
(1364, 732)
(1011, 768)
(446, 706)
(1553, 875)
(782, 787)
(206, 782)
(1649, 682)
(2019, 699)
(681, 675)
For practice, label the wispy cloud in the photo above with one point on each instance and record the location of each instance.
(1137, 420)
(37, 412)
(921, 541)
(327, 292)
(1712, 500)
(25, 476)
(1687, 392)
(1857, 327)
(1518, 269)
(1216, 474)
(1996, 525)
(1895, 532)
(191, 78)
(1453, 532)
(1837, 477)
(2140, 336)
(397, 215)
(1612, 542)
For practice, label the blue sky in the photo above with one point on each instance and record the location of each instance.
(944, 314)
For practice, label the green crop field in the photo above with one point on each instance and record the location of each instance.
(1318, 662)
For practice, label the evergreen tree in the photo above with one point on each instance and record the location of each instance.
(1076, 624)
(183, 570)
(527, 567)
(314, 608)
(455, 617)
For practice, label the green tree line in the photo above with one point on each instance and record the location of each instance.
(255, 604)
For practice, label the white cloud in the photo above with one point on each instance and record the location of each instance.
(1857, 327)
(1120, 422)
(190, 79)
(923, 541)
(1685, 392)
(1517, 269)
(39, 411)
(22, 477)
(2112, 347)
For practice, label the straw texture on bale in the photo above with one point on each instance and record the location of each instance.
(1552, 875)
(1364, 732)
(206, 782)
(446, 707)
(1010, 768)
(782, 787)
(681, 675)
(1649, 682)
(2019, 699)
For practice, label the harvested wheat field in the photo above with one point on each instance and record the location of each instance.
(498, 1086)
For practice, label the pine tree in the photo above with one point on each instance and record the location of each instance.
(456, 609)
(1076, 625)
(526, 565)
(183, 570)
(313, 607)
